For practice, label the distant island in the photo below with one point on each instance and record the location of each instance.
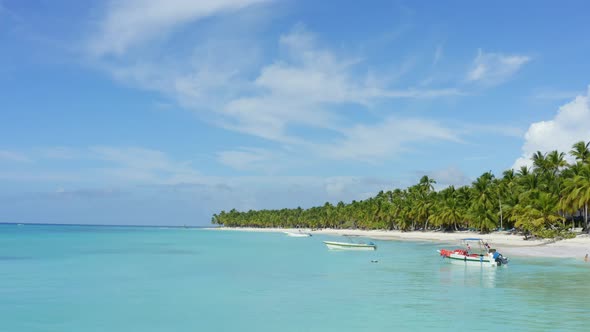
(548, 200)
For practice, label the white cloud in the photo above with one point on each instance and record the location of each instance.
(503, 129)
(109, 165)
(495, 68)
(131, 22)
(268, 117)
(354, 187)
(202, 80)
(12, 156)
(229, 84)
(569, 126)
(302, 87)
(133, 157)
(140, 164)
(294, 91)
(549, 94)
(249, 159)
(386, 139)
(450, 176)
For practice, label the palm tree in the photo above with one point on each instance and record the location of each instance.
(425, 203)
(531, 199)
(482, 205)
(556, 161)
(539, 162)
(500, 192)
(577, 192)
(581, 151)
(426, 184)
(537, 213)
(448, 209)
(523, 171)
(401, 210)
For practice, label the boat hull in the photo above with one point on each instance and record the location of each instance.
(332, 245)
(469, 260)
(291, 234)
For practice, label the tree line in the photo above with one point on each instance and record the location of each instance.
(545, 200)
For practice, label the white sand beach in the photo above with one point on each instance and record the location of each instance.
(508, 244)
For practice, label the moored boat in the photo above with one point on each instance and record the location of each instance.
(298, 234)
(335, 245)
(475, 252)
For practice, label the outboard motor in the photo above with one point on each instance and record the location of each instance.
(500, 259)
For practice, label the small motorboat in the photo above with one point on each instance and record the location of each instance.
(361, 246)
(476, 252)
(298, 234)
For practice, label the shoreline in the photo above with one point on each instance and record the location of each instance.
(507, 244)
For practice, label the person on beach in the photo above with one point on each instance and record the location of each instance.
(586, 258)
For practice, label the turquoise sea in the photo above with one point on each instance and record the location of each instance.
(86, 278)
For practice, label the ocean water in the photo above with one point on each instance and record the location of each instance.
(72, 278)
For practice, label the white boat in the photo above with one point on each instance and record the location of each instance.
(335, 245)
(476, 252)
(298, 234)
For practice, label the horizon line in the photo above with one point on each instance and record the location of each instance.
(102, 225)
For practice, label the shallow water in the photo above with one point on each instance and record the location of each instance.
(70, 278)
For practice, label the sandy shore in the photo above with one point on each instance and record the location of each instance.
(507, 244)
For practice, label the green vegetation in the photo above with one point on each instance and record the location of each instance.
(544, 201)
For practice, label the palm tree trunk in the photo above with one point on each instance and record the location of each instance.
(501, 227)
(586, 216)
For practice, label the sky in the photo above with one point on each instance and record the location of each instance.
(165, 112)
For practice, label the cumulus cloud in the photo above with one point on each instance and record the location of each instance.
(569, 126)
(495, 68)
(131, 22)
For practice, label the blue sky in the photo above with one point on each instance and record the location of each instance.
(163, 112)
